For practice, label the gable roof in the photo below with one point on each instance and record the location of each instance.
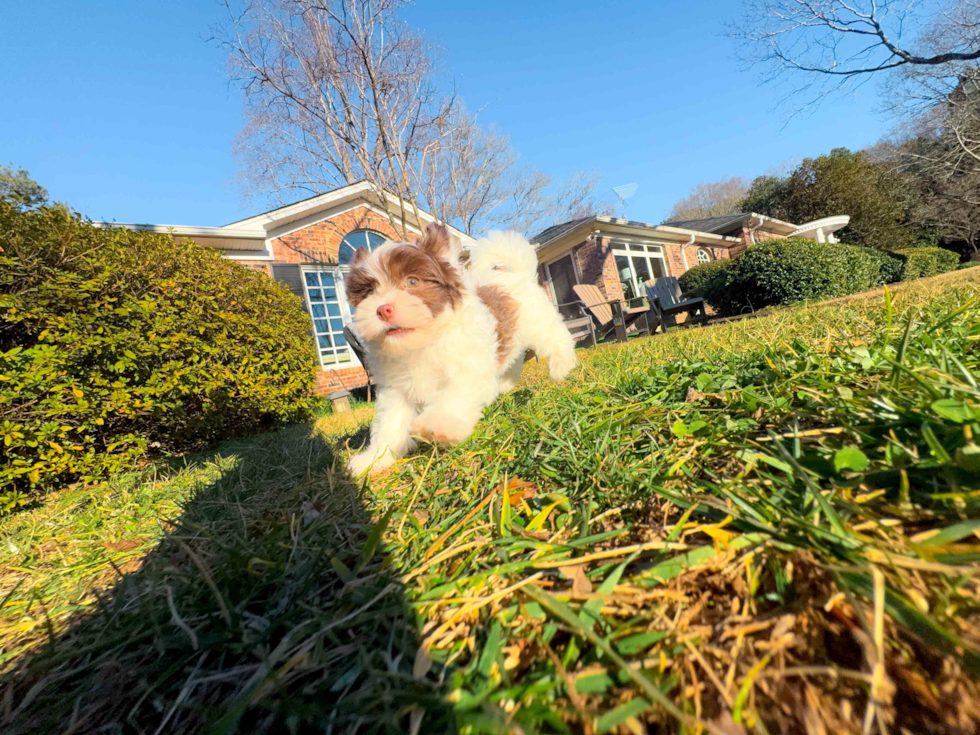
(249, 235)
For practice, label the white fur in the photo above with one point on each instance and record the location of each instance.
(435, 382)
(507, 260)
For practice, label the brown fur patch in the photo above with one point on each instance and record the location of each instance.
(435, 241)
(359, 284)
(439, 285)
(504, 309)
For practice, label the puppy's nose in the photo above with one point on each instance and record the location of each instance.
(386, 312)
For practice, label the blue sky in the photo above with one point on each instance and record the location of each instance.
(123, 109)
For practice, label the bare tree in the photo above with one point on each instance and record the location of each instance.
(336, 91)
(820, 46)
(711, 199)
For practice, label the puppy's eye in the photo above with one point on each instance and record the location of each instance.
(412, 282)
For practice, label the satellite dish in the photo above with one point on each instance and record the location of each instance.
(624, 192)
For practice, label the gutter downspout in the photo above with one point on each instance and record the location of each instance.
(753, 229)
(684, 254)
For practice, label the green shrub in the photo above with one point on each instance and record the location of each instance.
(790, 270)
(114, 343)
(968, 264)
(891, 265)
(695, 280)
(926, 261)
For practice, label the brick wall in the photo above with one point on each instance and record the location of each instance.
(596, 265)
(320, 242)
(328, 381)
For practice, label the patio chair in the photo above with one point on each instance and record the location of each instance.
(579, 322)
(611, 317)
(664, 295)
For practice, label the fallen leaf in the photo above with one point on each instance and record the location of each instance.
(122, 545)
(580, 583)
(422, 665)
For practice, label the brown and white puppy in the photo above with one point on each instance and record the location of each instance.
(439, 343)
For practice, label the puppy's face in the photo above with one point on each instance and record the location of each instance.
(404, 294)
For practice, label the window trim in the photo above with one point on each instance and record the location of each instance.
(620, 247)
(346, 315)
(369, 231)
(707, 256)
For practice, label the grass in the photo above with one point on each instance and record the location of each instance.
(762, 526)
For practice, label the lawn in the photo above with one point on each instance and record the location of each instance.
(769, 525)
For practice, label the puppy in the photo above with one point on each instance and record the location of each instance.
(443, 341)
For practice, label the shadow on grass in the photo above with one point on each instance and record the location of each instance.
(267, 607)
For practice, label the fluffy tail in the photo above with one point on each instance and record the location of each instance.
(503, 252)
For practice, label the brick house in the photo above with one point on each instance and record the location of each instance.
(308, 247)
(618, 255)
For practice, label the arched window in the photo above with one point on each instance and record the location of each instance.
(703, 256)
(358, 239)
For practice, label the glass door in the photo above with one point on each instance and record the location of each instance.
(561, 275)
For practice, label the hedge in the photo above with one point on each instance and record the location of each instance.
(697, 278)
(925, 261)
(116, 343)
(793, 269)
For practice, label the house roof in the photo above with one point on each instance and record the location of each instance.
(728, 223)
(558, 238)
(556, 231)
(251, 233)
(710, 224)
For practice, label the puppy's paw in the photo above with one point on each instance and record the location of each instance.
(561, 364)
(441, 427)
(369, 461)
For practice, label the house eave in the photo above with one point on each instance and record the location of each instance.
(612, 226)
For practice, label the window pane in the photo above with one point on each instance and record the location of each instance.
(374, 240)
(328, 358)
(326, 279)
(333, 309)
(310, 279)
(336, 325)
(340, 340)
(623, 266)
(324, 341)
(642, 269)
(316, 295)
(659, 270)
(343, 356)
(703, 256)
(329, 294)
(318, 310)
(320, 325)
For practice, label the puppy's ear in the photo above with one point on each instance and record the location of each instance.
(360, 255)
(435, 241)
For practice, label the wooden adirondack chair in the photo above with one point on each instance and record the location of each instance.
(610, 315)
(664, 295)
(579, 322)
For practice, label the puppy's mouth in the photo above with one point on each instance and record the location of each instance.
(398, 331)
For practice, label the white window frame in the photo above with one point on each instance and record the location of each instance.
(642, 250)
(346, 314)
(551, 283)
(707, 256)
